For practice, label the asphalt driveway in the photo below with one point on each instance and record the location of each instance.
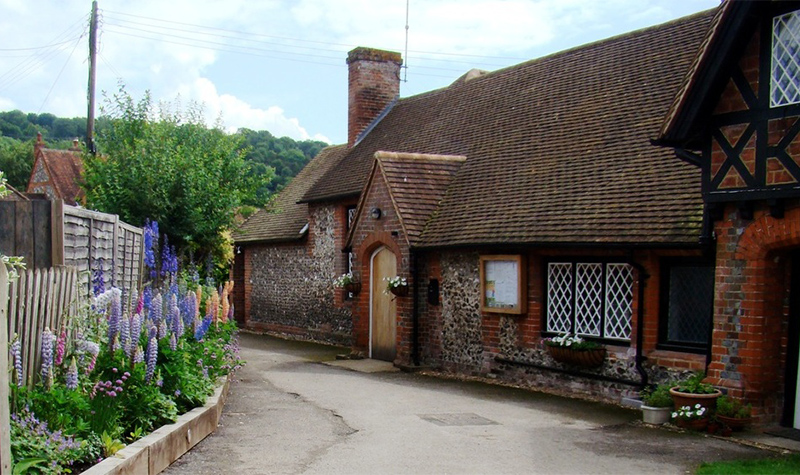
(294, 410)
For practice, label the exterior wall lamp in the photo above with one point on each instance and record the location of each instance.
(375, 213)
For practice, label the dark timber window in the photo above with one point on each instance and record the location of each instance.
(589, 299)
(687, 299)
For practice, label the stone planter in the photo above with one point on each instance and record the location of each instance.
(656, 415)
(709, 401)
(353, 287)
(582, 358)
(399, 291)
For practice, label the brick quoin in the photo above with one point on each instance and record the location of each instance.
(751, 309)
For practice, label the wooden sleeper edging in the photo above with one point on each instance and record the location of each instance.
(156, 451)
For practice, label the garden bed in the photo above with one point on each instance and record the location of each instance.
(155, 452)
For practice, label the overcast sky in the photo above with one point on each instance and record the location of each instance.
(279, 65)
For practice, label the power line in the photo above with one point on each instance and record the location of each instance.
(59, 74)
(33, 48)
(301, 40)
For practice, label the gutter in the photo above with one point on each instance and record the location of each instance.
(643, 276)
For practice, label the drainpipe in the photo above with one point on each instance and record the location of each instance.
(415, 307)
(643, 276)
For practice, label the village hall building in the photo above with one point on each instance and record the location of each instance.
(641, 192)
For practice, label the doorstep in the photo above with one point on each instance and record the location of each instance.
(156, 451)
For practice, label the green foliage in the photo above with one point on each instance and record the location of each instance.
(694, 385)
(168, 166)
(24, 465)
(730, 407)
(16, 161)
(32, 439)
(60, 407)
(778, 464)
(657, 396)
(110, 444)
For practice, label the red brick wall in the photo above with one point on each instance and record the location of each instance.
(373, 82)
(369, 235)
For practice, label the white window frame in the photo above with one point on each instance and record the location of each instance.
(587, 298)
(778, 95)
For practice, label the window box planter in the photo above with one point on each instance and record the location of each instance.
(585, 358)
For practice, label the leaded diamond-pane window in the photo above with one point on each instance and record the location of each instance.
(785, 82)
(559, 297)
(689, 299)
(590, 299)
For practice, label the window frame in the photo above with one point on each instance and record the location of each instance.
(780, 12)
(574, 261)
(666, 265)
(521, 306)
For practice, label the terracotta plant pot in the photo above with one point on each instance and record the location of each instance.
(583, 358)
(353, 287)
(709, 401)
(694, 424)
(734, 423)
(656, 415)
(399, 291)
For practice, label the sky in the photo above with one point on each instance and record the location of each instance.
(279, 65)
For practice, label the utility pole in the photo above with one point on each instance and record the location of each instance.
(92, 73)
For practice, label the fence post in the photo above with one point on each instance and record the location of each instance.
(5, 429)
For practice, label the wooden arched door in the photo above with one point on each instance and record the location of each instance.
(383, 308)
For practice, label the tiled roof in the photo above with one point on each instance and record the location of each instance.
(558, 149)
(285, 218)
(65, 168)
(700, 57)
(416, 183)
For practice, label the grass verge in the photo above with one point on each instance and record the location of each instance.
(777, 465)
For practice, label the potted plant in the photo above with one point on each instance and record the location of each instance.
(694, 391)
(691, 417)
(396, 285)
(576, 351)
(657, 404)
(733, 413)
(348, 283)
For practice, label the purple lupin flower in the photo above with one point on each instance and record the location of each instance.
(156, 309)
(72, 375)
(152, 354)
(162, 329)
(98, 279)
(173, 342)
(114, 317)
(201, 329)
(150, 246)
(138, 355)
(125, 334)
(61, 347)
(136, 331)
(147, 299)
(16, 356)
(177, 321)
(48, 341)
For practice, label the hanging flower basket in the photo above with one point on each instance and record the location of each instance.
(399, 291)
(353, 287)
(584, 358)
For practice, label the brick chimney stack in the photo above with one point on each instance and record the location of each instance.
(373, 82)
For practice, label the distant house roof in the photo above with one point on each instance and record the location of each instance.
(57, 173)
(416, 183)
(284, 218)
(558, 149)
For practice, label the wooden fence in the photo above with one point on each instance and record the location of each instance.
(92, 240)
(39, 299)
(5, 429)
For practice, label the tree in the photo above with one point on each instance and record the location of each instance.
(166, 165)
(16, 160)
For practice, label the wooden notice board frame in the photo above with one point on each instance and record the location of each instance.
(503, 284)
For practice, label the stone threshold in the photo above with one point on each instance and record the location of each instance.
(156, 451)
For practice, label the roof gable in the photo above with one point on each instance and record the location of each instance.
(416, 184)
(285, 219)
(62, 170)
